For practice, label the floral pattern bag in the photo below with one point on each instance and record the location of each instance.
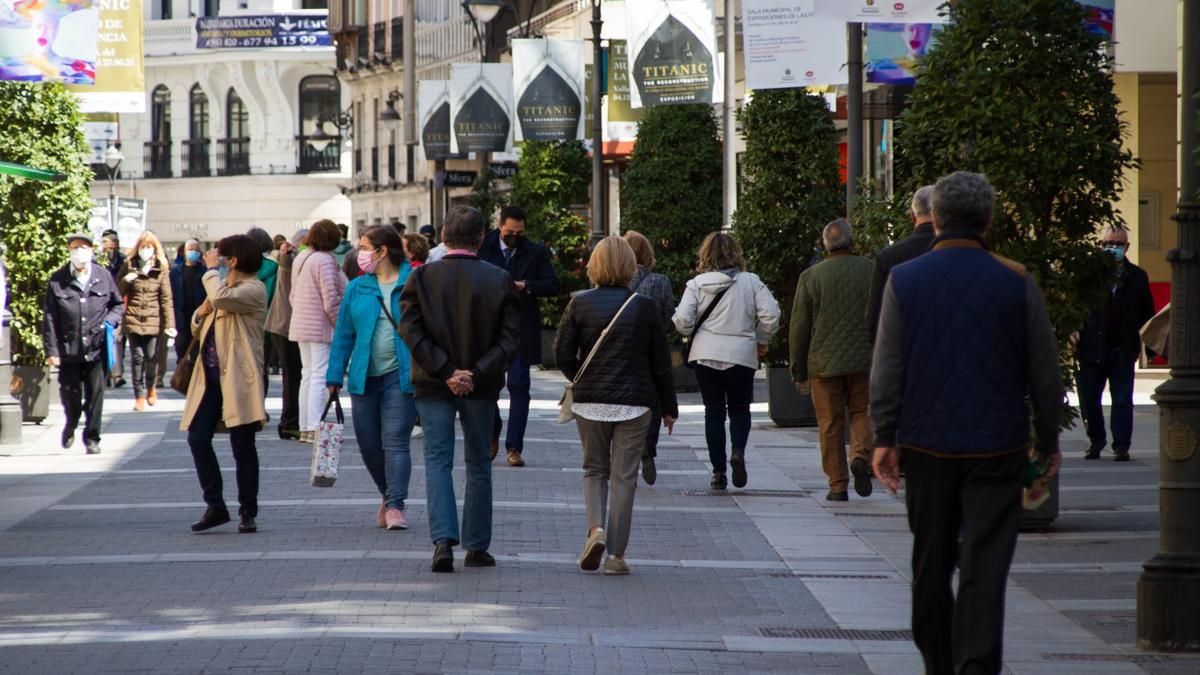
(327, 448)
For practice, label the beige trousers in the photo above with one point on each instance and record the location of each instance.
(612, 453)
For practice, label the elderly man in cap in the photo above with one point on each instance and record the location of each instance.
(81, 299)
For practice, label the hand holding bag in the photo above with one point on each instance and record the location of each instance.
(327, 448)
(568, 396)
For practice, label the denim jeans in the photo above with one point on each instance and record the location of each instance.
(245, 455)
(518, 406)
(437, 419)
(731, 389)
(1118, 374)
(383, 424)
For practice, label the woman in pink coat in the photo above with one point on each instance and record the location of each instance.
(317, 288)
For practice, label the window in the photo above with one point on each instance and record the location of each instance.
(196, 147)
(158, 149)
(212, 7)
(235, 146)
(160, 9)
(314, 4)
(320, 140)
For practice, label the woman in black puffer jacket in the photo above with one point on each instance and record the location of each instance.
(627, 380)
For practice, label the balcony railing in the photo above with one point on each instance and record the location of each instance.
(233, 156)
(157, 156)
(398, 38)
(312, 160)
(196, 157)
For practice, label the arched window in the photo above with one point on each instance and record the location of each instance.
(320, 138)
(236, 145)
(158, 149)
(196, 148)
(199, 113)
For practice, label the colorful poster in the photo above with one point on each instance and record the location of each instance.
(481, 103)
(1101, 17)
(433, 114)
(894, 49)
(48, 41)
(120, 73)
(548, 80)
(674, 48)
(884, 11)
(267, 30)
(623, 118)
(790, 43)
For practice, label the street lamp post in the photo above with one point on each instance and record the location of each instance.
(1168, 592)
(112, 166)
(599, 225)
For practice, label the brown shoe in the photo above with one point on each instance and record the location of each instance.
(495, 449)
(381, 517)
(139, 404)
(514, 458)
(152, 397)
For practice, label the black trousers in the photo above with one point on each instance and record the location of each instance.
(651, 449)
(962, 512)
(245, 455)
(81, 389)
(143, 351)
(289, 364)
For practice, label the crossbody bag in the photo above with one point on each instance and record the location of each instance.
(687, 353)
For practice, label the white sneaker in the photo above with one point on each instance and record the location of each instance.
(417, 433)
(593, 550)
(616, 565)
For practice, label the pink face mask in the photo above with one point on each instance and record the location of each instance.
(366, 263)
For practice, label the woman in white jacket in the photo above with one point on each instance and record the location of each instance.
(731, 316)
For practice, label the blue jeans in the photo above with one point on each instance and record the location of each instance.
(518, 407)
(383, 422)
(437, 419)
(1118, 374)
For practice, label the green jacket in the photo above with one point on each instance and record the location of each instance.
(267, 274)
(828, 334)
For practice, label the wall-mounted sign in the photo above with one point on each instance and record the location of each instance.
(449, 179)
(548, 78)
(433, 100)
(789, 43)
(49, 41)
(503, 169)
(266, 30)
(120, 74)
(481, 101)
(674, 53)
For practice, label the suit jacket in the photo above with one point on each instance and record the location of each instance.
(906, 249)
(1135, 306)
(529, 263)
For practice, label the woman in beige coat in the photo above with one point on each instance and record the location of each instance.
(225, 391)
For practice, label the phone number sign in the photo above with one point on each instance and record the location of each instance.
(273, 30)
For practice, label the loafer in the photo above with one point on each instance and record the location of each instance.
(68, 438)
(139, 404)
(514, 458)
(593, 551)
(119, 382)
(616, 565)
(1120, 455)
(1093, 451)
(394, 519)
(152, 397)
(443, 558)
(841, 496)
(649, 471)
(212, 517)
(718, 481)
(862, 477)
(246, 524)
(289, 435)
(738, 463)
(93, 447)
(478, 559)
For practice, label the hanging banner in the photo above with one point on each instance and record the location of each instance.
(548, 80)
(791, 43)
(884, 11)
(120, 70)
(614, 26)
(433, 100)
(267, 30)
(1101, 17)
(894, 49)
(49, 41)
(622, 117)
(674, 48)
(481, 101)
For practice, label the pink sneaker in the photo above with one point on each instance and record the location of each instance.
(380, 520)
(395, 519)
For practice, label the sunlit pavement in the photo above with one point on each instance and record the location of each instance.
(99, 572)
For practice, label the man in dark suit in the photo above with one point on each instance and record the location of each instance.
(528, 263)
(920, 212)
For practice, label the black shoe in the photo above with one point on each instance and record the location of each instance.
(289, 434)
(478, 559)
(443, 558)
(1120, 455)
(246, 524)
(718, 481)
(93, 447)
(68, 438)
(649, 471)
(842, 496)
(119, 382)
(862, 477)
(1093, 451)
(211, 518)
(738, 463)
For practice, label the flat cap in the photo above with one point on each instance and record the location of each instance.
(85, 236)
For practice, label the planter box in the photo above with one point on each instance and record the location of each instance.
(549, 360)
(1045, 515)
(31, 387)
(786, 406)
(683, 377)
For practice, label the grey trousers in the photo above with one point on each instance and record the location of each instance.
(612, 453)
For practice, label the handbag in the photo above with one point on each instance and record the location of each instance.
(687, 352)
(327, 448)
(110, 344)
(568, 396)
(182, 377)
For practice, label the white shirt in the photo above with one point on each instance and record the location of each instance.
(82, 277)
(608, 412)
(436, 253)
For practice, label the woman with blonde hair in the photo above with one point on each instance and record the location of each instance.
(612, 345)
(730, 316)
(145, 283)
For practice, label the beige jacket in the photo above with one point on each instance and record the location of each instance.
(237, 318)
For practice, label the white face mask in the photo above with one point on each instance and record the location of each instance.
(146, 252)
(81, 256)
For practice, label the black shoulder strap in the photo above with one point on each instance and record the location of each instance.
(383, 306)
(709, 310)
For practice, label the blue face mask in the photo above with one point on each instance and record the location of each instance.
(193, 256)
(1117, 252)
(222, 267)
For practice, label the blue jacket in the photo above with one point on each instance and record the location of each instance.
(354, 329)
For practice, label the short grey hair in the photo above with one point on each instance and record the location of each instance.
(1113, 229)
(189, 242)
(837, 234)
(299, 236)
(922, 201)
(963, 201)
(464, 228)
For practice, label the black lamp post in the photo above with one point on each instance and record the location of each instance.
(599, 224)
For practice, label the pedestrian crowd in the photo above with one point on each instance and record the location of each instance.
(935, 360)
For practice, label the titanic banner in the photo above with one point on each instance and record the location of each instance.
(481, 103)
(433, 113)
(673, 48)
(548, 79)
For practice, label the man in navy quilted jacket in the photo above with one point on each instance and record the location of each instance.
(964, 350)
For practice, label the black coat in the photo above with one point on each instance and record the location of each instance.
(530, 263)
(912, 246)
(1136, 307)
(459, 314)
(633, 366)
(75, 318)
(186, 305)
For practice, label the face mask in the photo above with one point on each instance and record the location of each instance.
(146, 253)
(81, 256)
(193, 256)
(223, 266)
(513, 240)
(366, 263)
(1117, 252)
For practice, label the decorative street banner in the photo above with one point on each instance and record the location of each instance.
(622, 117)
(884, 11)
(893, 50)
(790, 43)
(481, 101)
(548, 75)
(48, 41)
(674, 44)
(1101, 17)
(120, 74)
(268, 30)
(433, 99)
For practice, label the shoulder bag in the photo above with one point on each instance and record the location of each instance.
(687, 352)
(182, 377)
(568, 397)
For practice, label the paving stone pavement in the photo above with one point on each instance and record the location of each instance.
(99, 573)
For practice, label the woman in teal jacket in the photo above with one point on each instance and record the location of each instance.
(365, 340)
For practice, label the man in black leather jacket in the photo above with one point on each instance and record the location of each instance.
(459, 319)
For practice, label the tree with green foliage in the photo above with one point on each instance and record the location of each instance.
(554, 176)
(486, 195)
(40, 126)
(791, 190)
(671, 191)
(1022, 92)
